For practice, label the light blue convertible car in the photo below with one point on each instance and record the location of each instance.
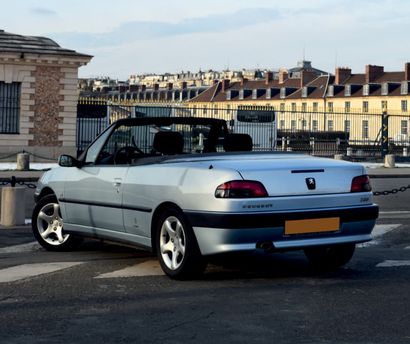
(188, 189)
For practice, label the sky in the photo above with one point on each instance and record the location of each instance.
(139, 36)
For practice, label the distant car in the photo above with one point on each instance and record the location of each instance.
(187, 189)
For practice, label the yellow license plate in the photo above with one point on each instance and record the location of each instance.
(330, 224)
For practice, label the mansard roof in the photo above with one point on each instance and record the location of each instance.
(14, 43)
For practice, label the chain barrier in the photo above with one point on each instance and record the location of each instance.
(13, 181)
(391, 192)
(23, 151)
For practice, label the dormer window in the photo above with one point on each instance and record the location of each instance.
(404, 89)
(228, 95)
(304, 92)
(331, 91)
(283, 92)
(268, 93)
(254, 94)
(348, 90)
(241, 93)
(385, 89)
(366, 89)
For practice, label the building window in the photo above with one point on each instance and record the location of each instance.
(293, 107)
(385, 89)
(282, 124)
(404, 88)
(194, 110)
(365, 107)
(303, 124)
(330, 125)
(293, 125)
(404, 105)
(404, 128)
(314, 125)
(228, 109)
(282, 107)
(366, 89)
(315, 106)
(330, 107)
(348, 90)
(365, 129)
(215, 109)
(347, 106)
(347, 126)
(9, 107)
(205, 109)
(384, 105)
(304, 107)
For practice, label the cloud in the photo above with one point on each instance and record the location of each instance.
(139, 30)
(43, 11)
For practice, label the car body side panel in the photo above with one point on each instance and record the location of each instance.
(147, 187)
(93, 196)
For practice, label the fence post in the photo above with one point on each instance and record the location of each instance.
(385, 133)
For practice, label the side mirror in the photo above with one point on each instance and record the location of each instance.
(65, 160)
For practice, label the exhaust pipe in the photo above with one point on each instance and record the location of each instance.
(265, 245)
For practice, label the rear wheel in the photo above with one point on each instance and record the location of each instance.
(48, 226)
(330, 257)
(176, 245)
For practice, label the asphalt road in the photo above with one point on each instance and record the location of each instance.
(114, 294)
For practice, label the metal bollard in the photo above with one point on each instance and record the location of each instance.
(12, 206)
(390, 161)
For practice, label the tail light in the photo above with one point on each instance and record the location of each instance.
(361, 184)
(241, 189)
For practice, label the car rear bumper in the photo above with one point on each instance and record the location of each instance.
(219, 233)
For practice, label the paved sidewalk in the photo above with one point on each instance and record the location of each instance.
(11, 236)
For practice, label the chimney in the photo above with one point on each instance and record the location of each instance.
(407, 71)
(342, 74)
(184, 85)
(170, 86)
(373, 72)
(268, 77)
(283, 75)
(306, 77)
(243, 81)
(156, 87)
(225, 85)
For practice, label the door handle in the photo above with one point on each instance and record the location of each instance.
(117, 183)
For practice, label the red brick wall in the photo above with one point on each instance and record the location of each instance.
(46, 107)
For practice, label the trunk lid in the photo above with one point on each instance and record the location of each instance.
(296, 175)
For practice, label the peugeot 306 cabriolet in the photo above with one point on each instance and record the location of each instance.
(187, 189)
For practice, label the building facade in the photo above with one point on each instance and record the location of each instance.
(38, 96)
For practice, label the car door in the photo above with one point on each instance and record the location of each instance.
(93, 193)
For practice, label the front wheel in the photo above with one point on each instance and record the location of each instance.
(48, 227)
(330, 257)
(176, 245)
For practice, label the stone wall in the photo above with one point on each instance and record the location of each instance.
(48, 106)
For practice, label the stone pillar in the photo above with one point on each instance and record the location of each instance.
(13, 206)
(23, 162)
(389, 161)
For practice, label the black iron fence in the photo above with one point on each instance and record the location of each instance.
(355, 134)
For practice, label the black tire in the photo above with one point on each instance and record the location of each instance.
(188, 265)
(50, 209)
(330, 257)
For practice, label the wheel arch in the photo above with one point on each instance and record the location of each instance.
(154, 221)
(45, 192)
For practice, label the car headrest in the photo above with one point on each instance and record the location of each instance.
(237, 143)
(168, 142)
